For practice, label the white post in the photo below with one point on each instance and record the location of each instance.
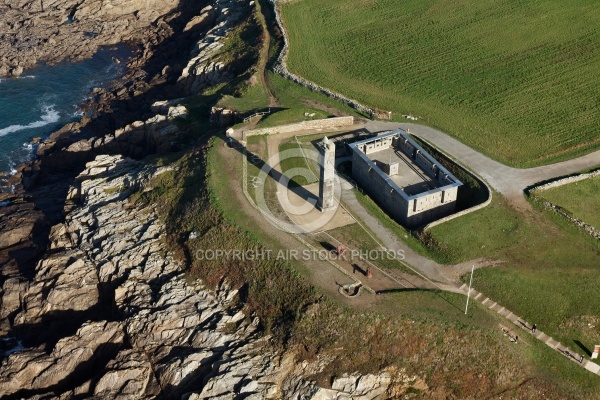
(469, 292)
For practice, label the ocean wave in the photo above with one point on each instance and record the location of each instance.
(19, 77)
(27, 146)
(50, 116)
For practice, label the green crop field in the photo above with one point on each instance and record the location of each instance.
(518, 80)
(580, 199)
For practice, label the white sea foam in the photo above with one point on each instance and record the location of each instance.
(50, 116)
(26, 77)
(17, 346)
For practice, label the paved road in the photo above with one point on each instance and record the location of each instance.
(506, 180)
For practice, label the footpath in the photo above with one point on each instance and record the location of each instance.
(527, 327)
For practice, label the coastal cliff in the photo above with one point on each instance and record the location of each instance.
(91, 302)
(108, 313)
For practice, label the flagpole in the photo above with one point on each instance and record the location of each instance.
(469, 292)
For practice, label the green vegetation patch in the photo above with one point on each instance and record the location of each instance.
(519, 81)
(295, 165)
(298, 103)
(252, 98)
(358, 237)
(554, 299)
(580, 199)
(549, 270)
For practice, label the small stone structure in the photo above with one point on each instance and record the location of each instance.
(326, 181)
(222, 116)
(350, 289)
(407, 182)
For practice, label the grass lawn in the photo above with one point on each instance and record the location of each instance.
(257, 153)
(357, 237)
(580, 199)
(490, 73)
(296, 166)
(254, 98)
(550, 271)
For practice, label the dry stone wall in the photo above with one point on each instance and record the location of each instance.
(591, 230)
(282, 69)
(566, 181)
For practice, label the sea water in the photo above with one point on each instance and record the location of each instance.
(46, 97)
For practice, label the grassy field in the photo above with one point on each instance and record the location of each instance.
(549, 272)
(580, 199)
(291, 164)
(490, 73)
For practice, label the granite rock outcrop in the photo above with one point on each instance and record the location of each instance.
(55, 30)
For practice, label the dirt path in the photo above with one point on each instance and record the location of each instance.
(264, 58)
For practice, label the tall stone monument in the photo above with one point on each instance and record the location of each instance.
(326, 183)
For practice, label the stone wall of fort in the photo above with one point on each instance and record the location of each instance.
(378, 188)
(411, 211)
(316, 124)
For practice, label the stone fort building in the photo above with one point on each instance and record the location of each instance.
(407, 182)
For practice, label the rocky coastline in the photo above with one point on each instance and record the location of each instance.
(56, 30)
(33, 197)
(90, 303)
(109, 314)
